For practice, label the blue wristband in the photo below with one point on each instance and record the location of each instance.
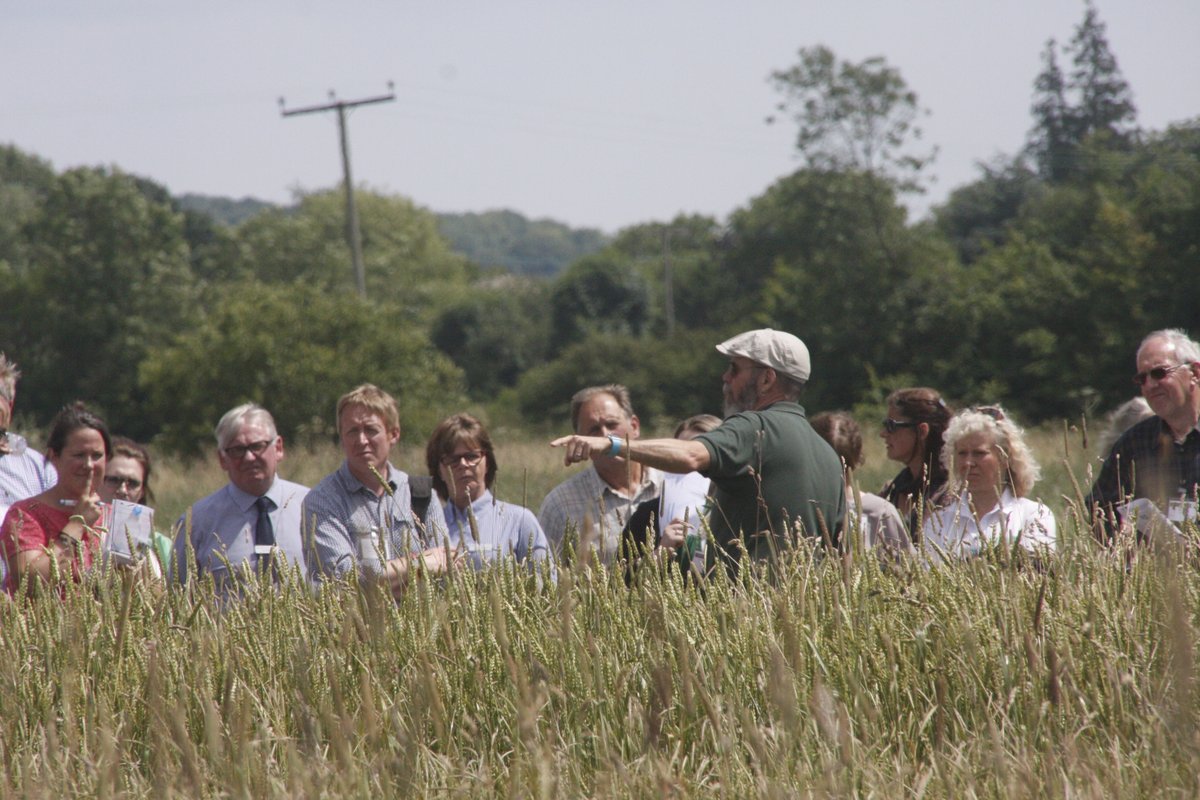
(616, 443)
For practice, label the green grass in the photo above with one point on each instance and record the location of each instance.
(839, 677)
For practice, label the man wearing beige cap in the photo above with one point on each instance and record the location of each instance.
(773, 477)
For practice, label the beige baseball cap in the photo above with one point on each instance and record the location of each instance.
(778, 350)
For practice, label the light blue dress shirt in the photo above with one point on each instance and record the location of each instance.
(352, 527)
(220, 530)
(505, 531)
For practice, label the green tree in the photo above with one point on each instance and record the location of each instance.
(25, 180)
(295, 350)
(1165, 195)
(1001, 330)
(1093, 107)
(670, 378)
(509, 240)
(603, 293)
(686, 245)
(1104, 102)
(408, 263)
(858, 117)
(1053, 140)
(979, 216)
(496, 332)
(108, 278)
(826, 281)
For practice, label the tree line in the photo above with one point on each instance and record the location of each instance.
(1031, 285)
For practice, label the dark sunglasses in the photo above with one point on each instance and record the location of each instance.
(116, 482)
(238, 451)
(1158, 373)
(892, 425)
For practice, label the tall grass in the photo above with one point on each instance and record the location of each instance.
(840, 676)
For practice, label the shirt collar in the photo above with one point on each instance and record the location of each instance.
(245, 501)
(650, 477)
(453, 513)
(353, 485)
(1004, 504)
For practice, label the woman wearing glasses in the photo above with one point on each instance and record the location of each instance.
(461, 460)
(994, 471)
(127, 477)
(912, 432)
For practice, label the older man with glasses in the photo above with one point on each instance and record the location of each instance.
(252, 522)
(1151, 475)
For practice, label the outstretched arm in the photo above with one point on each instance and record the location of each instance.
(669, 455)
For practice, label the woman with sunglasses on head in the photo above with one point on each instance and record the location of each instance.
(462, 461)
(127, 477)
(912, 433)
(54, 537)
(993, 473)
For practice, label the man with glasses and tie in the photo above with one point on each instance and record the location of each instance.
(253, 523)
(1150, 477)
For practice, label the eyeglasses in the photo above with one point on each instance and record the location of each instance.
(892, 425)
(116, 482)
(1158, 373)
(238, 451)
(469, 458)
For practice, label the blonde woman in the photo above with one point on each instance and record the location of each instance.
(992, 474)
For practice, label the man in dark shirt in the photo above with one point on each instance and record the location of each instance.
(1158, 459)
(773, 477)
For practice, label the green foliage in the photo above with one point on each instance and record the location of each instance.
(1095, 104)
(523, 246)
(853, 117)
(408, 264)
(688, 245)
(1052, 141)
(295, 350)
(111, 280)
(828, 281)
(669, 378)
(1105, 104)
(601, 294)
(495, 333)
(997, 338)
(980, 215)
(224, 210)
(25, 180)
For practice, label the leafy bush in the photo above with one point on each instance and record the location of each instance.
(295, 350)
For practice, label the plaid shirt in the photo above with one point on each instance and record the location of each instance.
(585, 494)
(340, 509)
(23, 472)
(1147, 462)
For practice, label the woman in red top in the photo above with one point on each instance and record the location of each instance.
(54, 537)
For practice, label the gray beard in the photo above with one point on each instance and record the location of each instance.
(746, 401)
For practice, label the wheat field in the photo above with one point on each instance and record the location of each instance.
(833, 677)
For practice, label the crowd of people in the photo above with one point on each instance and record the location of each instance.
(719, 493)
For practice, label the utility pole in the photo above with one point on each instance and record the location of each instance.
(353, 234)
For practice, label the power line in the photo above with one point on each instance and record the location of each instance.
(353, 234)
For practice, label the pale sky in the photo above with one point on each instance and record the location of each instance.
(595, 114)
